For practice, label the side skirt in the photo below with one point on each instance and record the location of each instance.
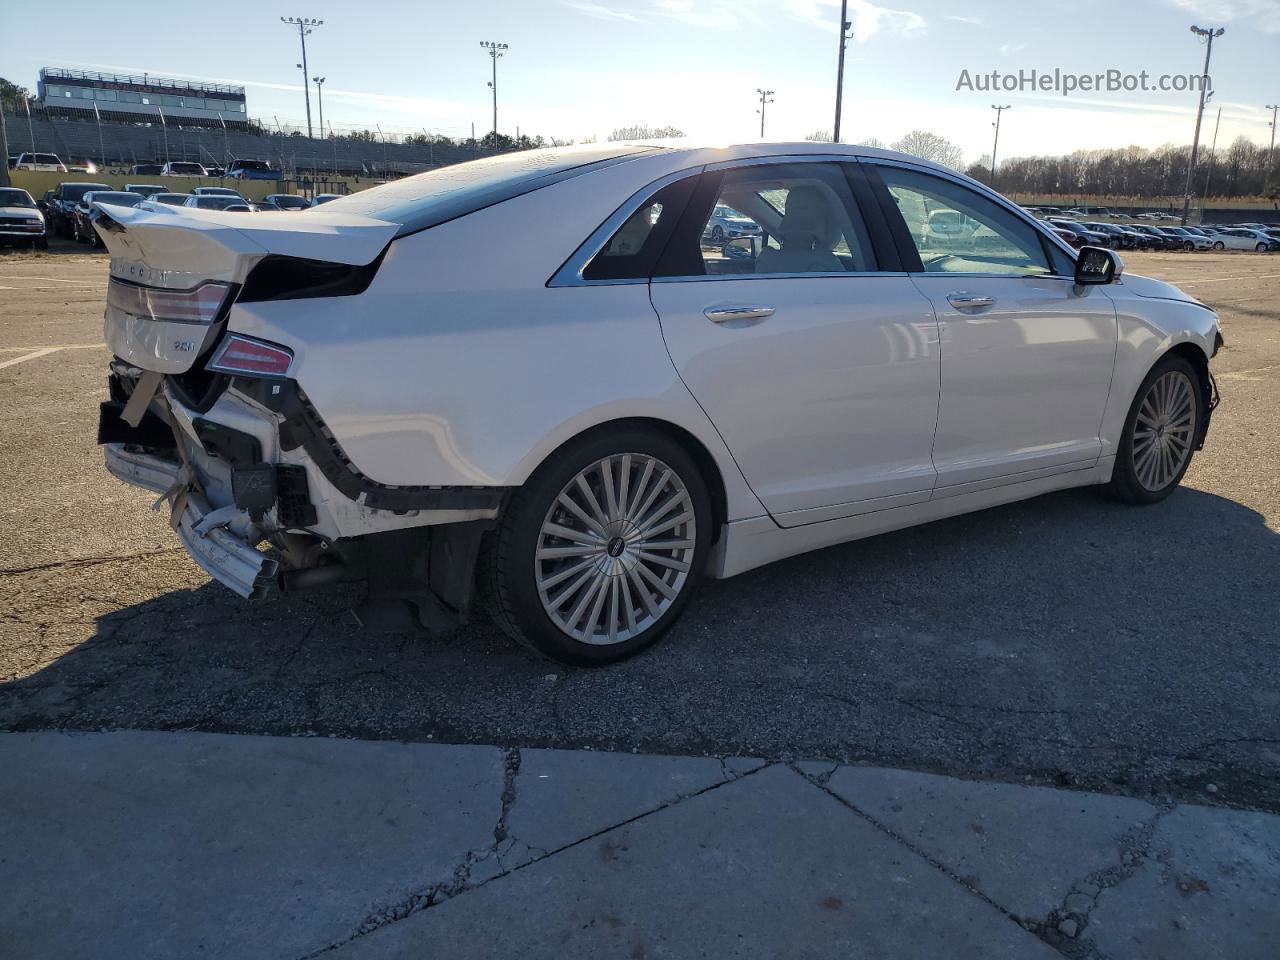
(747, 544)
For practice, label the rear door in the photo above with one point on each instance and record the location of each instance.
(1027, 356)
(812, 353)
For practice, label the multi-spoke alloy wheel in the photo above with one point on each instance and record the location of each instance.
(1164, 430)
(598, 552)
(1160, 433)
(615, 548)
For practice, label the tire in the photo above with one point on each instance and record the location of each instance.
(717, 235)
(1261, 248)
(601, 588)
(1149, 475)
(41, 244)
(1188, 246)
(1219, 245)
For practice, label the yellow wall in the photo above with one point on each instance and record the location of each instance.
(36, 182)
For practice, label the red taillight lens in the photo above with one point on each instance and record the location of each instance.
(200, 305)
(244, 355)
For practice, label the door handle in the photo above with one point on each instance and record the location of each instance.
(963, 301)
(722, 314)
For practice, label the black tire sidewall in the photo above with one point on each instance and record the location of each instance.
(1124, 479)
(523, 522)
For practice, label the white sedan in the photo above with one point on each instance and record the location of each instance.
(1240, 238)
(525, 379)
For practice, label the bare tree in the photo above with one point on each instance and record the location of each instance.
(819, 136)
(930, 146)
(643, 131)
(873, 142)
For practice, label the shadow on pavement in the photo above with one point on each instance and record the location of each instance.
(1065, 640)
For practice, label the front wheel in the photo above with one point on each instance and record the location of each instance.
(1261, 248)
(1188, 245)
(598, 553)
(1159, 434)
(717, 235)
(1219, 245)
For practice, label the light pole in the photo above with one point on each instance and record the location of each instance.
(996, 145)
(319, 81)
(1271, 157)
(496, 50)
(766, 98)
(845, 35)
(305, 26)
(1211, 34)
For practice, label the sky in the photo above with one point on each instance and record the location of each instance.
(575, 69)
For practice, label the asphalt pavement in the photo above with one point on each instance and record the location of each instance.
(1064, 641)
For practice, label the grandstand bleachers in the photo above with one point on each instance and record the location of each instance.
(77, 142)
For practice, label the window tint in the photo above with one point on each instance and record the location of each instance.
(635, 246)
(957, 230)
(784, 218)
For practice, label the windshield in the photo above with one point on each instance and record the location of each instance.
(74, 191)
(438, 195)
(216, 202)
(186, 168)
(284, 200)
(118, 197)
(15, 198)
(250, 165)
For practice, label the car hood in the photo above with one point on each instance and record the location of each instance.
(20, 211)
(1154, 289)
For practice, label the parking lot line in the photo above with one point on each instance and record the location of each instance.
(58, 280)
(1187, 283)
(56, 346)
(45, 351)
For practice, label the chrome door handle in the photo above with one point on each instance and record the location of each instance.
(721, 314)
(966, 300)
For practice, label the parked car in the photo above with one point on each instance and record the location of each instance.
(1070, 236)
(21, 222)
(287, 201)
(325, 198)
(1051, 212)
(171, 199)
(215, 201)
(1159, 241)
(181, 168)
(726, 223)
(44, 204)
(1240, 238)
(147, 169)
(1093, 237)
(218, 192)
(1088, 210)
(62, 208)
(145, 189)
(1120, 238)
(251, 170)
(82, 229)
(446, 438)
(47, 162)
(215, 171)
(1188, 240)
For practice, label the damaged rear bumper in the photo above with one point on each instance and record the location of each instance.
(229, 559)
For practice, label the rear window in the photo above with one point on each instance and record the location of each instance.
(285, 200)
(250, 165)
(438, 195)
(74, 191)
(186, 168)
(119, 198)
(47, 158)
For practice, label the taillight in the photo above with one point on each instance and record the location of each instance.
(199, 305)
(256, 358)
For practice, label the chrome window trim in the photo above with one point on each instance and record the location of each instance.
(988, 193)
(716, 278)
(570, 272)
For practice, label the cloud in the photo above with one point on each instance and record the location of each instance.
(868, 18)
(1264, 13)
(709, 13)
(600, 11)
(976, 21)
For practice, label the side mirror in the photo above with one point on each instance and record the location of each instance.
(1098, 265)
(742, 248)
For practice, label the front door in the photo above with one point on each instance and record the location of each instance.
(819, 370)
(1027, 356)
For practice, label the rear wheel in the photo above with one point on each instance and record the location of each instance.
(1159, 433)
(1188, 245)
(598, 553)
(1219, 245)
(1261, 248)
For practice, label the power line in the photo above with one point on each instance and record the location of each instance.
(305, 25)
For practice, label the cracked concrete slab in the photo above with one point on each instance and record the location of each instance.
(139, 845)
(1022, 846)
(766, 865)
(565, 795)
(1209, 887)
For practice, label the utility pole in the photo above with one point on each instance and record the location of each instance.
(496, 50)
(845, 35)
(320, 100)
(1210, 33)
(766, 98)
(4, 151)
(305, 26)
(996, 145)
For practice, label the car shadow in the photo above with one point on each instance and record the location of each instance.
(1066, 639)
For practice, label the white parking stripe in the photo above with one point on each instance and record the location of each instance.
(57, 280)
(1187, 283)
(30, 356)
(56, 346)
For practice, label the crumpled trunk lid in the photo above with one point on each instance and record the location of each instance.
(175, 270)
